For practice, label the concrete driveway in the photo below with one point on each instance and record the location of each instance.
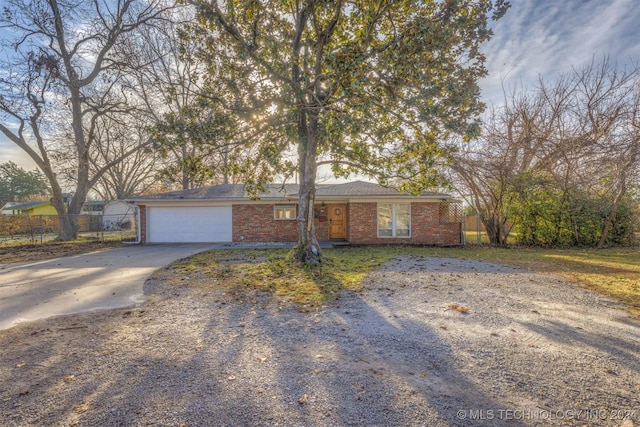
(102, 280)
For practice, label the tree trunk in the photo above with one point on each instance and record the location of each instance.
(68, 216)
(68, 224)
(608, 223)
(496, 229)
(622, 191)
(307, 249)
(68, 227)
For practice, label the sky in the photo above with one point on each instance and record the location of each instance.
(536, 38)
(546, 38)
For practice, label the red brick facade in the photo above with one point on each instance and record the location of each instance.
(426, 228)
(143, 223)
(256, 223)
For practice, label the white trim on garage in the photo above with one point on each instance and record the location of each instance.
(189, 224)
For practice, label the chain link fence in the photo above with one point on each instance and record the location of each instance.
(42, 228)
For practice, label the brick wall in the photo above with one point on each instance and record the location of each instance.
(322, 227)
(256, 223)
(449, 234)
(426, 228)
(143, 223)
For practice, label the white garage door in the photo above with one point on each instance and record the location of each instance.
(189, 224)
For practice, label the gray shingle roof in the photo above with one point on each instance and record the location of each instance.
(230, 192)
(224, 192)
(363, 189)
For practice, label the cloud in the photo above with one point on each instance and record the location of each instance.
(10, 152)
(548, 37)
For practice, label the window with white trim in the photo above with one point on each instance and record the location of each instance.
(284, 212)
(394, 219)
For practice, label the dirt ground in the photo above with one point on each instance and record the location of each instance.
(36, 252)
(427, 342)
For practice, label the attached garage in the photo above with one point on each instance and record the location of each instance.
(357, 212)
(189, 224)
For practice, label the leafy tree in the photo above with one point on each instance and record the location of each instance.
(546, 216)
(363, 86)
(16, 184)
(207, 144)
(67, 69)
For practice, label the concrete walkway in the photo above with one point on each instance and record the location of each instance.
(102, 280)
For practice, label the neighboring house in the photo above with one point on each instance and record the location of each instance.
(43, 207)
(93, 207)
(30, 208)
(355, 212)
(114, 215)
(6, 209)
(118, 215)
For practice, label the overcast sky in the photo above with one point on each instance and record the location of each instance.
(535, 38)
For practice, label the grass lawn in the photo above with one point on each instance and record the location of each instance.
(612, 272)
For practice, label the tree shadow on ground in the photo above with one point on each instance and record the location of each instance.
(217, 357)
(220, 360)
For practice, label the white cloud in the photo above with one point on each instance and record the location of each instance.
(548, 37)
(11, 152)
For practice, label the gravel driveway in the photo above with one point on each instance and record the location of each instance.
(428, 342)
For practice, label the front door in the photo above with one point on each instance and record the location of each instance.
(337, 221)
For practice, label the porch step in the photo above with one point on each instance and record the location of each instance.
(328, 244)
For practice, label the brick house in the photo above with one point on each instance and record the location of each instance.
(354, 212)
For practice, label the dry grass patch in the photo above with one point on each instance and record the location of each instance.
(276, 271)
(612, 272)
(270, 270)
(22, 252)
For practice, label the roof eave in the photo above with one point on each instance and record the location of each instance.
(385, 196)
(222, 199)
(293, 197)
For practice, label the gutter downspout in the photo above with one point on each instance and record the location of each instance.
(138, 228)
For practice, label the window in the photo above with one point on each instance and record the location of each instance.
(394, 220)
(285, 212)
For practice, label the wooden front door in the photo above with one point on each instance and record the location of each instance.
(337, 221)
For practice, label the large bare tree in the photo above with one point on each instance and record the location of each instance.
(136, 173)
(67, 56)
(609, 114)
(168, 81)
(516, 138)
(575, 136)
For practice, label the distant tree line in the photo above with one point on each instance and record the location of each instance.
(18, 185)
